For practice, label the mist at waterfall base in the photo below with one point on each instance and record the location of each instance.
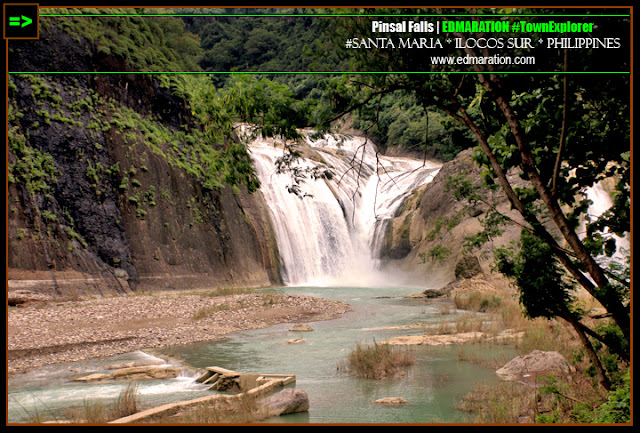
(331, 234)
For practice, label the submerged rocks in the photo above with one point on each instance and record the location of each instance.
(134, 373)
(436, 340)
(296, 341)
(505, 337)
(301, 327)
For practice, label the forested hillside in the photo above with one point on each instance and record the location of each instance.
(262, 40)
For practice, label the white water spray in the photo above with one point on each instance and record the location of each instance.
(332, 236)
(601, 202)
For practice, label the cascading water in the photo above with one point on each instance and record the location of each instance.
(601, 201)
(330, 234)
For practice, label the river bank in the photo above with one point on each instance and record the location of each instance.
(43, 332)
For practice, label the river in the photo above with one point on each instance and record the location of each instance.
(432, 386)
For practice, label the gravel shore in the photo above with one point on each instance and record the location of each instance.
(49, 332)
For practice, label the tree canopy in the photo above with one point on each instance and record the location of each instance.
(563, 131)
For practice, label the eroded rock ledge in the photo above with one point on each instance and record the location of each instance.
(453, 339)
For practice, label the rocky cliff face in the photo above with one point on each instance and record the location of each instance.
(105, 189)
(426, 237)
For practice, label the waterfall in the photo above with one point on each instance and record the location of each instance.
(330, 235)
(601, 201)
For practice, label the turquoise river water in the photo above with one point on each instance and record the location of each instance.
(432, 387)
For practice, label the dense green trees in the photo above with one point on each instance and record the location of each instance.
(564, 132)
(248, 107)
(245, 40)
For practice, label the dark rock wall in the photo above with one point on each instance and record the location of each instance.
(117, 214)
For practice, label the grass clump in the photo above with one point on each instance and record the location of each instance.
(97, 412)
(377, 361)
(127, 402)
(504, 403)
(479, 301)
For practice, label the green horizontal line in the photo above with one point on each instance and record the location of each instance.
(311, 72)
(325, 15)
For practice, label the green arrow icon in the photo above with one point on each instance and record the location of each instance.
(15, 21)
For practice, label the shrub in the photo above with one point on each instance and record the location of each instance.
(479, 301)
(377, 361)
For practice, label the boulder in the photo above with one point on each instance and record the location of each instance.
(528, 368)
(287, 401)
(441, 292)
(468, 267)
(391, 401)
(134, 373)
(477, 283)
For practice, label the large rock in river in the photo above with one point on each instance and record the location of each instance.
(529, 368)
(287, 401)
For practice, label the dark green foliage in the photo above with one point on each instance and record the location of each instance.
(439, 253)
(270, 110)
(159, 43)
(400, 120)
(257, 42)
(543, 289)
(617, 409)
(32, 167)
(235, 166)
(264, 43)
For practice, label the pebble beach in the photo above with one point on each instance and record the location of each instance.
(48, 332)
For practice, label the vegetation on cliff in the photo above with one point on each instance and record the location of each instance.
(112, 172)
